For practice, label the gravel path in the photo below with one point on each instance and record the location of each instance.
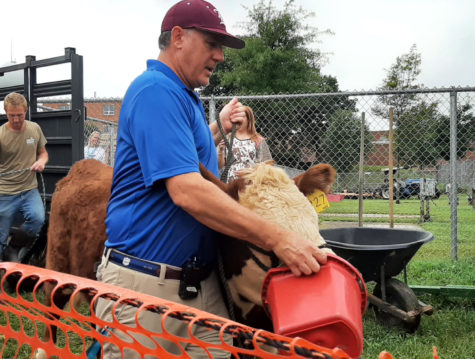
(367, 215)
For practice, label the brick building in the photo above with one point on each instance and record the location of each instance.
(379, 155)
(102, 115)
(106, 109)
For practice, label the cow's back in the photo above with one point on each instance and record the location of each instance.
(76, 232)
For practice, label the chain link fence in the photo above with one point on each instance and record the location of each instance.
(100, 136)
(433, 135)
(304, 129)
(431, 139)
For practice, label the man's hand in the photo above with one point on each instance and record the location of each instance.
(300, 255)
(41, 162)
(232, 112)
(38, 166)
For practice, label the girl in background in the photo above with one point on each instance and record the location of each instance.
(93, 150)
(249, 147)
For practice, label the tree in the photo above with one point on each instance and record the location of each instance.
(277, 57)
(401, 76)
(426, 134)
(408, 110)
(422, 134)
(465, 133)
(416, 135)
(341, 141)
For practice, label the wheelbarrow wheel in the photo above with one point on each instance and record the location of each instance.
(402, 297)
(385, 193)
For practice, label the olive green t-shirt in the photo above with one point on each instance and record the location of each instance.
(19, 150)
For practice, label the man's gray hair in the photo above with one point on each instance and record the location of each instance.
(164, 40)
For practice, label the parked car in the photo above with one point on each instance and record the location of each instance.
(407, 189)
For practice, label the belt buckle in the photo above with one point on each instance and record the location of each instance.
(126, 261)
(161, 275)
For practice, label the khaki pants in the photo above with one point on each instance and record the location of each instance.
(209, 299)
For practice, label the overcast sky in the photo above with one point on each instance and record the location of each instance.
(116, 37)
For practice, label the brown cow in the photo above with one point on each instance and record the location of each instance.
(76, 231)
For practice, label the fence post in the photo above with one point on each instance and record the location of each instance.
(453, 175)
(473, 196)
(212, 110)
(112, 141)
(360, 189)
(390, 173)
(28, 85)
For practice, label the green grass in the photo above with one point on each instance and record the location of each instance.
(71, 339)
(450, 329)
(452, 326)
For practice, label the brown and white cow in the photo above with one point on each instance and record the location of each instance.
(268, 191)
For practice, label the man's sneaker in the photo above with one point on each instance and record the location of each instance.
(23, 252)
(10, 254)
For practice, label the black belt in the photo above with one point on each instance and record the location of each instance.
(141, 265)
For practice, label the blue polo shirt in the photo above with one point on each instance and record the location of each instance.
(162, 133)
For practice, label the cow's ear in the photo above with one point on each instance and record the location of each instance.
(234, 187)
(231, 188)
(320, 176)
(330, 175)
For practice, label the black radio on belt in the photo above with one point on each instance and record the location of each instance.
(190, 279)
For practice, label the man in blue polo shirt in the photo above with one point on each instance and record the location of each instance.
(162, 213)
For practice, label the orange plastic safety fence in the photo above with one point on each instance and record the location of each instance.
(31, 304)
(385, 355)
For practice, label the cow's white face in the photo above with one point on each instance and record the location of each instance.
(275, 197)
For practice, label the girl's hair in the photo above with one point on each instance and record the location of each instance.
(251, 126)
(92, 135)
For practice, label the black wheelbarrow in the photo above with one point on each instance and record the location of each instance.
(380, 254)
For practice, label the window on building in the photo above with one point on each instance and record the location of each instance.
(65, 107)
(109, 110)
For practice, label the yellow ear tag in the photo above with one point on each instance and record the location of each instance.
(319, 201)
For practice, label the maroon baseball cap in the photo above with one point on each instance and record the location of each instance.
(199, 14)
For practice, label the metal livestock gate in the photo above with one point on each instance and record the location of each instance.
(63, 129)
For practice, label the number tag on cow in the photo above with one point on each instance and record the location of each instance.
(319, 201)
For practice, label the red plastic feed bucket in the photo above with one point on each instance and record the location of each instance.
(325, 308)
